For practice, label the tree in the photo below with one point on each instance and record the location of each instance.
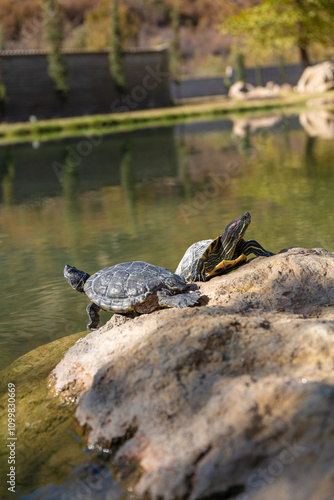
(175, 51)
(53, 34)
(3, 93)
(283, 25)
(116, 48)
(15, 15)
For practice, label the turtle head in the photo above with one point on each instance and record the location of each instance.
(233, 233)
(76, 278)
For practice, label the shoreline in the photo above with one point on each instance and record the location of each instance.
(61, 128)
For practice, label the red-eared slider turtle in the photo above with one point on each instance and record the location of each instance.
(131, 287)
(208, 258)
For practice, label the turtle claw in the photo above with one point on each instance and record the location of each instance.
(90, 327)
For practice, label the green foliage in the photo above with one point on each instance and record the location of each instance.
(3, 93)
(2, 38)
(3, 97)
(116, 47)
(7, 176)
(239, 67)
(175, 51)
(79, 39)
(53, 34)
(282, 25)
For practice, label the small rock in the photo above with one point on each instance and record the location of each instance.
(241, 90)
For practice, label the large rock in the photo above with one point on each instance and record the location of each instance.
(232, 399)
(241, 91)
(317, 78)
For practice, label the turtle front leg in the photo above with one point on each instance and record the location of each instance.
(251, 246)
(93, 314)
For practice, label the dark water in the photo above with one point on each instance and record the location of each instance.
(147, 196)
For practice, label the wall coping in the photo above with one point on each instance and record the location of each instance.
(38, 52)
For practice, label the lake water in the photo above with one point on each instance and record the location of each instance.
(148, 195)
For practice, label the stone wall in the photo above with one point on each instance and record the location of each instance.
(30, 90)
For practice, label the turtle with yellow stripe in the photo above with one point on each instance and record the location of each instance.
(208, 258)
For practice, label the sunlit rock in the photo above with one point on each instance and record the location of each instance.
(241, 90)
(317, 78)
(231, 399)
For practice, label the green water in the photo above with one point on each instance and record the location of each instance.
(147, 195)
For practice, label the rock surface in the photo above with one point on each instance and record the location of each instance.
(241, 90)
(317, 78)
(231, 399)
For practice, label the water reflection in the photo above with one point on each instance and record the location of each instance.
(318, 123)
(7, 174)
(147, 196)
(70, 181)
(128, 180)
(246, 126)
(87, 481)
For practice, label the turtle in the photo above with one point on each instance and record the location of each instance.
(131, 288)
(208, 258)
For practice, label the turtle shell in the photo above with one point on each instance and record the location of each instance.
(122, 287)
(194, 252)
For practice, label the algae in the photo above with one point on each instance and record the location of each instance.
(47, 450)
